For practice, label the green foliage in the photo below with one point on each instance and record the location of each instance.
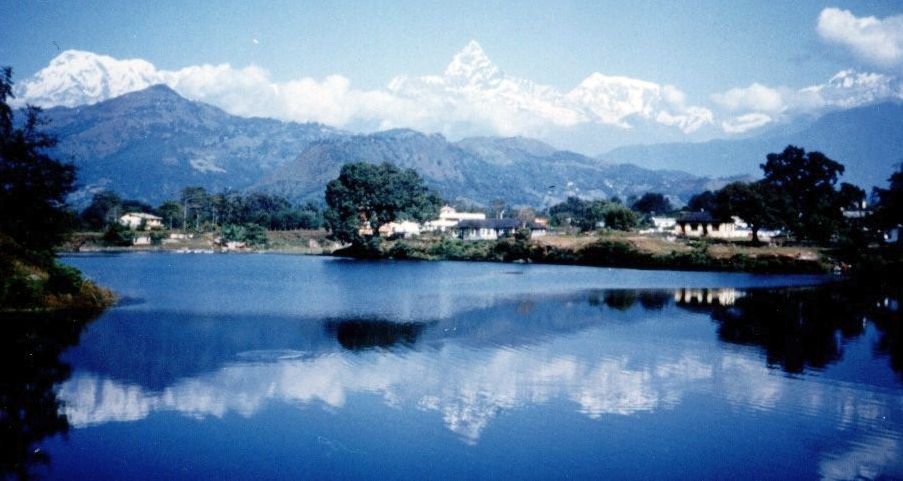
(368, 195)
(889, 211)
(63, 279)
(802, 192)
(34, 186)
(757, 203)
(653, 203)
(102, 210)
(587, 214)
(171, 212)
(704, 201)
(19, 291)
(117, 235)
(106, 207)
(618, 217)
(579, 213)
(251, 234)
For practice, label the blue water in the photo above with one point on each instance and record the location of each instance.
(293, 367)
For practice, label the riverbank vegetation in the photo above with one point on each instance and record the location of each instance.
(34, 219)
(609, 249)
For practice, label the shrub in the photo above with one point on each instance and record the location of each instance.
(63, 279)
(117, 235)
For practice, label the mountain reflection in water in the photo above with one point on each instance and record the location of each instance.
(646, 379)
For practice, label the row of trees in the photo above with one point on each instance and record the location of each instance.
(798, 193)
(587, 215)
(198, 210)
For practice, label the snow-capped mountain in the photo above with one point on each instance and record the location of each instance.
(507, 102)
(77, 78)
(472, 96)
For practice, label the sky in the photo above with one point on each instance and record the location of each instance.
(742, 61)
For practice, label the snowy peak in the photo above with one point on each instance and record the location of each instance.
(76, 77)
(473, 64)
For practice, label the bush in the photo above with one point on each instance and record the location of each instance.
(20, 291)
(63, 279)
(251, 234)
(117, 235)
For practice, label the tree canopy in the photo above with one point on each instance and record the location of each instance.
(804, 197)
(653, 203)
(33, 186)
(890, 201)
(369, 195)
(751, 201)
(587, 214)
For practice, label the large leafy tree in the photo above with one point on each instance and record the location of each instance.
(890, 201)
(653, 203)
(33, 186)
(804, 195)
(752, 202)
(368, 196)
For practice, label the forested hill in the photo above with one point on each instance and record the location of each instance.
(150, 144)
(521, 171)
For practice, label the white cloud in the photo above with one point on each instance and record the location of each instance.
(877, 41)
(746, 122)
(756, 97)
(472, 96)
(752, 107)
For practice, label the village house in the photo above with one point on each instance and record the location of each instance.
(660, 225)
(142, 240)
(449, 218)
(703, 224)
(707, 297)
(134, 220)
(491, 229)
(404, 228)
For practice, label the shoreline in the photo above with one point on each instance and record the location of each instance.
(595, 252)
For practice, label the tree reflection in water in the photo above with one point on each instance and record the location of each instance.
(30, 368)
(361, 334)
(625, 299)
(802, 328)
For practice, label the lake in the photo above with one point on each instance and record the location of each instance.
(261, 366)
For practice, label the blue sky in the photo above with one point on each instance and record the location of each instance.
(702, 48)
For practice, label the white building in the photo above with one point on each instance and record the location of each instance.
(134, 220)
(703, 224)
(404, 228)
(449, 218)
(492, 229)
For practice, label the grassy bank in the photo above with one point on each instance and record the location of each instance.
(35, 282)
(609, 250)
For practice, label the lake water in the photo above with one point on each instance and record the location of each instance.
(292, 367)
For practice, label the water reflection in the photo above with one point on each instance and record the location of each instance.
(800, 328)
(361, 334)
(530, 351)
(476, 371)
(30, 368)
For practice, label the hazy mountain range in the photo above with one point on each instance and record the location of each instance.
(151, 143)
(867, 140)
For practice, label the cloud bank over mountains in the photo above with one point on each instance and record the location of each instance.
(472, 96)
(475, 97)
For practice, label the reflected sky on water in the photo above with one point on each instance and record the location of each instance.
(261, 366)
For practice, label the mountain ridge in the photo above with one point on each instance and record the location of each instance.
(867, 140)
(152, 143)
